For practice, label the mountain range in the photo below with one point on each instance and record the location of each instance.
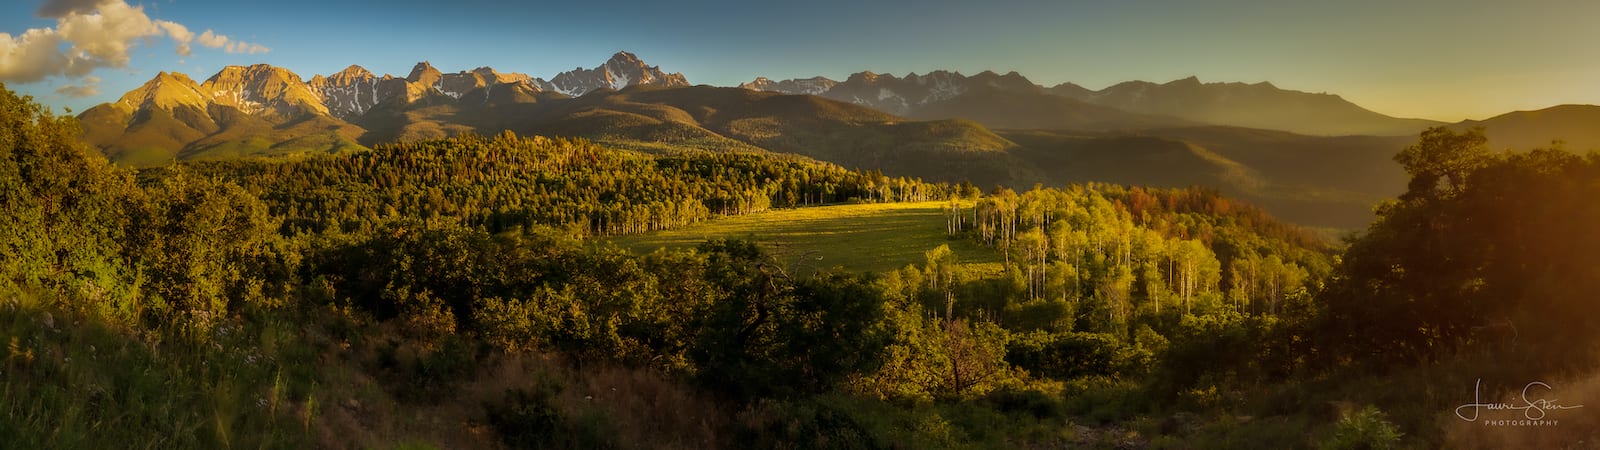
(1012, 101)
(266, 110)
(1315, 159)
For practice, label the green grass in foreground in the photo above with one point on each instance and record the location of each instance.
(865, 237)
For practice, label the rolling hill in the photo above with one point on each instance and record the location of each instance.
(730, 119)
(1330, 182)
(1259, 105)
(1578, 126)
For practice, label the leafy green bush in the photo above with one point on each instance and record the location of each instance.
(773, 335)
(1364, 429)
(1038, 404)
(1076, 354)
(529, 419)
(1103, 399)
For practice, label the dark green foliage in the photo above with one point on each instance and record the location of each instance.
(1104, 399)
(209, 246)
(506, 182)
(775, 335)
(404, 259)
(1036, 403)
(806, 425)
(748, 327)
(1364, 429)
(184, 248)
(1486, 252)
(63, 209)
(442, 257)
(1210, 353)
(529, 419)
(1074, 355)
(1442, 160)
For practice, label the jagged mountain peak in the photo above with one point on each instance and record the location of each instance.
(167, 90)
(868, 76)
(351, 73)
(254, 73)
(170, 77)
(622, 70)
(1186, 81)
(799, 86)
(1068, 85)
(934, 75)
(886, 92)
(424, 73)
(355, 91)
(623, 56)
(494, 76)
(262, 88)
(992, 75)
(1009, 82)
(1070, 90)
(349, 92)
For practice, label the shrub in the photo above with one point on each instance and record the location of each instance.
(1039, 404)
(1366, 428)
(527, 419)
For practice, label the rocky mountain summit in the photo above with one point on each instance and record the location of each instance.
(622, 70)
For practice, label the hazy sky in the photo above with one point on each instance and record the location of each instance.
(1438, 59)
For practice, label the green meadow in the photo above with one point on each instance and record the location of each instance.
(873, 237)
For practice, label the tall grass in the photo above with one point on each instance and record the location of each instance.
(74, 382)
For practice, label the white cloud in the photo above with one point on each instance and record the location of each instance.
(213, 40)
(104, 38)
(94, 34)
(32, 55)
(180, 35)
(88, 86)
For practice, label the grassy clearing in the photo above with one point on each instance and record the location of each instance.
(866, 237)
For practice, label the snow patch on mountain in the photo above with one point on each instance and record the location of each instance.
(622, 70)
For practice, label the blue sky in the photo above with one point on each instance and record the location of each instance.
(1438, 59)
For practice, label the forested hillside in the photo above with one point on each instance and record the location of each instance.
(452, 294)
(508, 182)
